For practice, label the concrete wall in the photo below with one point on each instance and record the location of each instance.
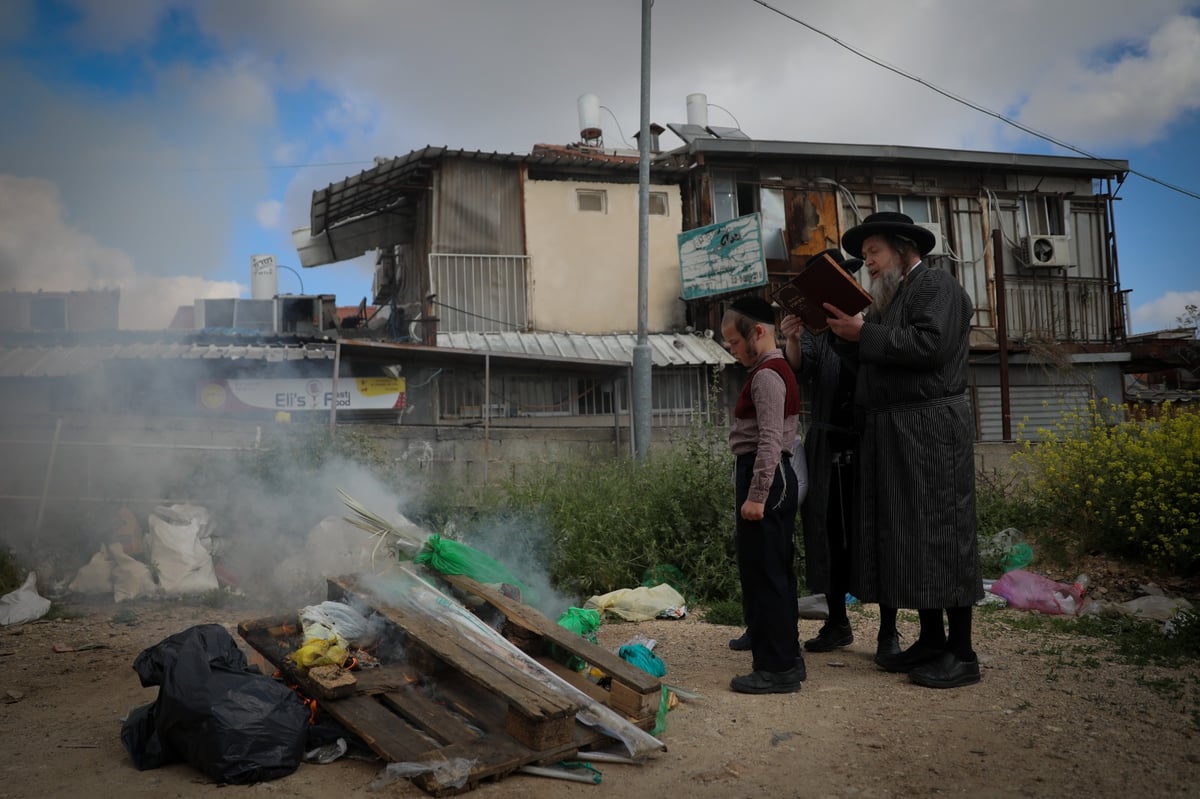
(585, 263)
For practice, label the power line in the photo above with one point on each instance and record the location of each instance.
(974, 106)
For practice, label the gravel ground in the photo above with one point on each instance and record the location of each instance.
(1055, 715)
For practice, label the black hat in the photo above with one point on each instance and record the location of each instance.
(888, 223)
(851, 265)
(755, 308)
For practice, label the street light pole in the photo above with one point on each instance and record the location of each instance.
(641, 351)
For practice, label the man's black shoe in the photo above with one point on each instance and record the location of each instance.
(830, 638)
(946, 672)
(768, 682)
(741, 643)
(887, 646)
(916, 655)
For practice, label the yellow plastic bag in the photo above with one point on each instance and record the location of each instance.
(639, 604)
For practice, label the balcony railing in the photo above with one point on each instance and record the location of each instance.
(480, 293)
(1076, 310)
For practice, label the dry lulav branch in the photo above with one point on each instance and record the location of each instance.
(376, 525)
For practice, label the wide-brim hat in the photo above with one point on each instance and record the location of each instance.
(851, 265)
(886, 223)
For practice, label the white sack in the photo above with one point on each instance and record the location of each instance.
(95, 577)
(184, 564)
(24, 604)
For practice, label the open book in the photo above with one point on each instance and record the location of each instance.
(823, 281)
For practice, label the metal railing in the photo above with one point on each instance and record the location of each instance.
(480, 293)
(1076, 310)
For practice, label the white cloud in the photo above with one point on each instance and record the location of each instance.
(1163, 313)
(268, 213)
(1130, 101)
(40, 251)
(166, 171)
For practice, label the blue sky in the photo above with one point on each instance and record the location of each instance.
(157, 144)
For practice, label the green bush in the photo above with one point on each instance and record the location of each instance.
(613, 523)
(1129, 487)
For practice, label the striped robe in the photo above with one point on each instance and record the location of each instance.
(914, 542)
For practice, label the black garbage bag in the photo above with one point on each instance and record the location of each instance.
(214, 711)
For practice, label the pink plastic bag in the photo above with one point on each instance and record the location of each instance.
(1030, 591)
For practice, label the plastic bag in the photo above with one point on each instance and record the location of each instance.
(350, 626)
(637, 604)
(214, 711)
(447, 556)
(1030, 591)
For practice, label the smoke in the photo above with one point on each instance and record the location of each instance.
(40, 251)
(132, 437)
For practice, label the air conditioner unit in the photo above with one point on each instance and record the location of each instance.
(936, 229)
(1047, 251)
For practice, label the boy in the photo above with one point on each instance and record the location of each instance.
(766, 494)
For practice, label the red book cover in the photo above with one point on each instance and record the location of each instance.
(823, 281)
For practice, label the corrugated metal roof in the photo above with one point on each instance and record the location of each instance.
(666, 349)
(66, 360)
(1052, 164)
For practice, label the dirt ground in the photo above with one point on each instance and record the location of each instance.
(1049, 718)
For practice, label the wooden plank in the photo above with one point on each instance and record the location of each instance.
(524, 616)
(383, 731)
(537, 717)
(428, 716)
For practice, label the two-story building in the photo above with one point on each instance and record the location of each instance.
(537, 253)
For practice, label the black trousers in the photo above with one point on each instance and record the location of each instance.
(838, 512)
(766, 554)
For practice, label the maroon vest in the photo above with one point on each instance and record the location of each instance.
(744, 409)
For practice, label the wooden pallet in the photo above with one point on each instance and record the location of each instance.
(446, 699)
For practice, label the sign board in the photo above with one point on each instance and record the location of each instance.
(722, 258)
(302, 394)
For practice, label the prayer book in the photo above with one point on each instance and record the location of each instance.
(822, 281)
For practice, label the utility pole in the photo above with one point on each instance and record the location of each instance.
(641, 351)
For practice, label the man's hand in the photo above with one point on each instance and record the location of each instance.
(843, 326)
(792, 326)
(753, 511)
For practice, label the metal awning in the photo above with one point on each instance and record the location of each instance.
(666, 349)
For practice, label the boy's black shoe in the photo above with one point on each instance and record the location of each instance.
(741, 643)
(830, 637)
(769, 682)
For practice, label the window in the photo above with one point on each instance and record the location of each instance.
(592, 200)
(1046, 215)
(734, 195)
(915, 208)
(658, 203)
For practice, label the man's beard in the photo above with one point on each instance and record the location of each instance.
(884, 288)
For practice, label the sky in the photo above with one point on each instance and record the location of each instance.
(156, 145)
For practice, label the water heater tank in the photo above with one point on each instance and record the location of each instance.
(264, 277)
(697, 110)
(589, 117)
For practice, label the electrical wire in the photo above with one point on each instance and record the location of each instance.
(620, 132)
(975, 106)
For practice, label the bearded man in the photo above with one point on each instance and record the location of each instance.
(914, 541)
